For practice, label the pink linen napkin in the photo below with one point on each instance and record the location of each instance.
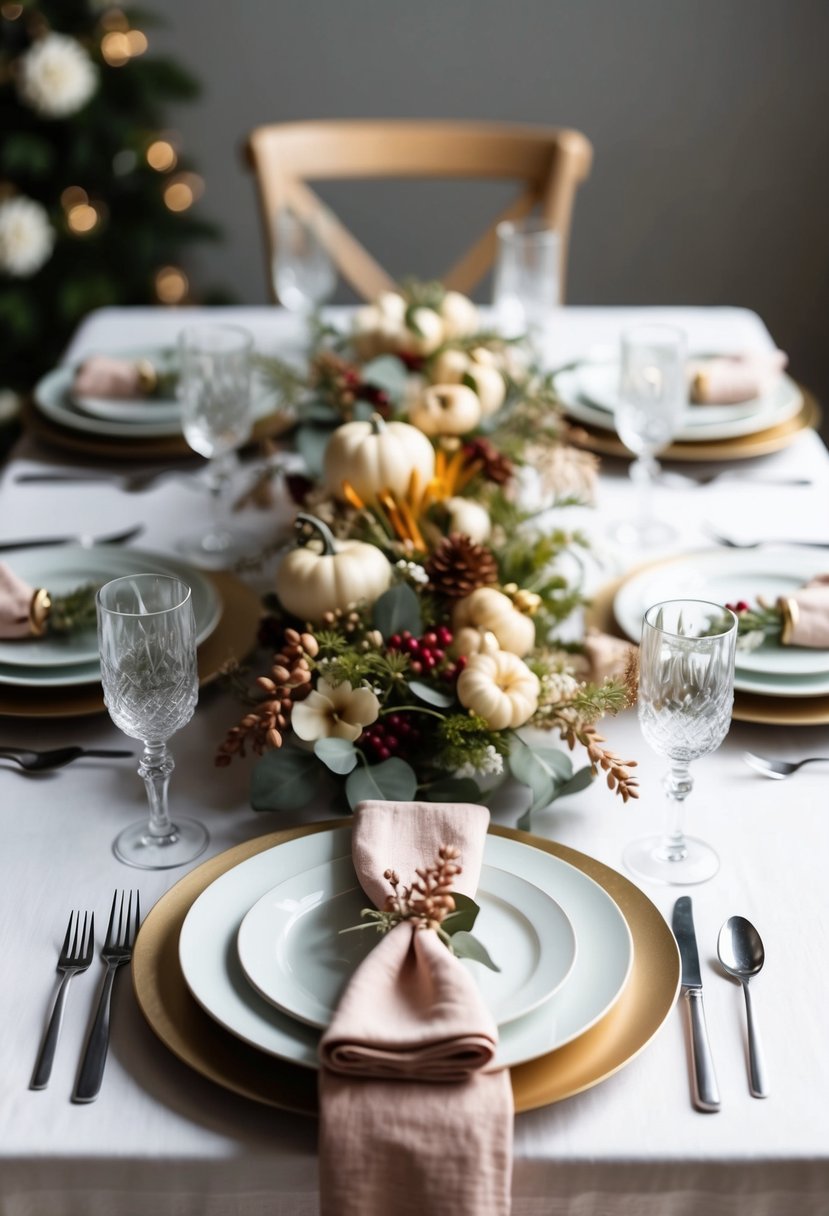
(731, 379)
(15, 605)
(806, 615)
(409, 1122)
(103, 376)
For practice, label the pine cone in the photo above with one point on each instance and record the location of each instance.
(495, 466)
(459, 566)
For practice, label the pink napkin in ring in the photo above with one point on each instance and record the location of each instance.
(409, 1121)
(806, 615)
(15, 605)
(731, 379)
(103, 376)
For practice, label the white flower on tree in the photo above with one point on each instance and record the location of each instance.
(26, 236)
(57, 76)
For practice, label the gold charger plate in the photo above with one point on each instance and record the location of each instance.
(201, 1043)
(748, 706)
(233, 637)
(165, 447)
(761, 443)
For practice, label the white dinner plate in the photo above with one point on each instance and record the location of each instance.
(50, 677)
(211, 968)
(293, 951)
(53, 395)
(700, 423)
(725, 577)
(61, 568)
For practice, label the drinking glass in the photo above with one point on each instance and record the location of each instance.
(147, 645)
(217, 417)
(686, 690)
(304, 276)
(526, 290)
(651, 400)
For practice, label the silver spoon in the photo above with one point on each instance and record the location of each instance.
(779, 769)
(740, 951)
(38, 762)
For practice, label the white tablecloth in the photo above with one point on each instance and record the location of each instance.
(163, 1140)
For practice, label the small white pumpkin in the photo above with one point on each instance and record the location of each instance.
(489, 609)
(489, 385)
(500, 688)
(393, 307)
(469, 640)
(469, 517)
(375, 456)
(313, 581)
(449, 366)
(460, 316)
(424, 332)
(446, 409)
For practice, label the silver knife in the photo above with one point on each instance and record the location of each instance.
(706, 1095)
(83, 539)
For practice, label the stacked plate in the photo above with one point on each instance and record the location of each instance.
(775, 683)
(261, 951)
(588, 392)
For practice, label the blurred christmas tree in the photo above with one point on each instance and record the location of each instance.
(95, 194)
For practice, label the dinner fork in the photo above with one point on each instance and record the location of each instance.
(117, 950)
(75, 956)
(779, 769)
(756, 544)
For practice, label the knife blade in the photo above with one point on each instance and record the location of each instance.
(83, 539)
(705, 1092)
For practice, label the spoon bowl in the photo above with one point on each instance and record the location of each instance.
(741, 954)
(39, 762)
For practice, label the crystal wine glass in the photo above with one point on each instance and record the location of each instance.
(526, 290)
(686, 690)
(217, 417)
(304, 276)
(147, 646)
(651, 399)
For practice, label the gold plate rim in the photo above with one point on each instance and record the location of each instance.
(233, 637)
(744, 447)
(748, 706)
(199, 1042)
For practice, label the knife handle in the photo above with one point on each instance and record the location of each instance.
(706, 1092)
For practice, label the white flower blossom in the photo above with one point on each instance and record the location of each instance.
(26, 236)
(491, 764)
(335, 711)
(750, 641)
(412, 570)
(559, 686)
(57, 76)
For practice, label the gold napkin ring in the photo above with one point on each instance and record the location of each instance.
(39, 610)
(147, 376)
(790, 613)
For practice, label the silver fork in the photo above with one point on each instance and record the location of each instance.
(757, 544)
(75, 956)
(117, 950)
(130, 483)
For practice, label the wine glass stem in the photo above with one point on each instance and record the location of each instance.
(155, 767)
(643, 473)
(678, 784)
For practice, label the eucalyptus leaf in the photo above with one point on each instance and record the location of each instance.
(284, 780)
(432, 696)
(339, 755)
(464, 916)
(532, 770)
(311, 442)
(391, 781)
(397, 609)
(452, 789)
(320, 411)
(387, 373)
(578, 782)
(464, 945)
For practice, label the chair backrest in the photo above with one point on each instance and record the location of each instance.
(549, 162)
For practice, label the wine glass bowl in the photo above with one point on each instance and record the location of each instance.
(147, 647)
(526, 282)
(217, 418)
(686, 692)
(304, 276)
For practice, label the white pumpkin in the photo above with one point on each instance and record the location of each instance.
(489, 385)
(469, 517)
(393, 307)
(446, 409)
(469, 640)
(449, 367)
(375, 456)
(460, 316)
(424, 334)
(489, 609)
(500, 688)
(311, 581)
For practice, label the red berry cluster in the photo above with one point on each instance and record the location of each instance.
(394, 734)
(428, 653)
(364, 391)
(740, 606)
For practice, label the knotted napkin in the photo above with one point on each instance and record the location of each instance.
(103, 376)
(731, 379)
(806, 615)
(16, 601)
(409, 1122)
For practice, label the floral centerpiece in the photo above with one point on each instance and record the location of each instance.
(413, 621)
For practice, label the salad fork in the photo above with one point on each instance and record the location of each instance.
(117, 950)
(778, 770)
(75, 957)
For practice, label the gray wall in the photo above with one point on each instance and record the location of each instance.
(710, 121)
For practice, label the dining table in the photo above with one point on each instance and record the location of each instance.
(161, 1137)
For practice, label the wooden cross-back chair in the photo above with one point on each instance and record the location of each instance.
(548, 162)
